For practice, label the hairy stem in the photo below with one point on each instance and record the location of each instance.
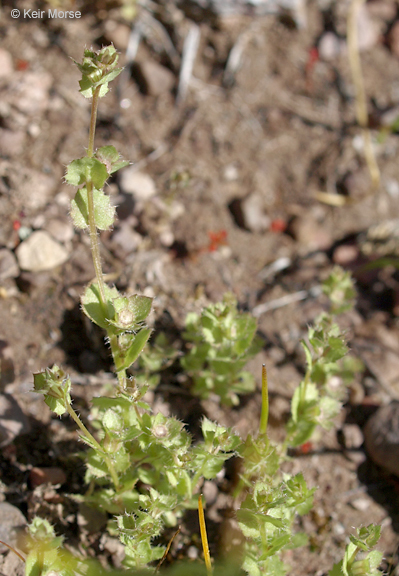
(94, 443)
(95, 249)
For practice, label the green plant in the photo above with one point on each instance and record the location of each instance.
(143, 469)
(221, 341)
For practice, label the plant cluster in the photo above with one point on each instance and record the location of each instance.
(143, 468)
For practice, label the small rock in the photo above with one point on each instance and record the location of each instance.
(7, 371)
(329, 46)
(346, 254)
(393, 39)
(367, 29)
(34, 189)
(11, 142)
(40, 252)
(30, 91)
(311, 234)
(253, 213)
(125, 239)
(157, 79)
(13, 421)
(381, 435)
(50, 475)
(230, 173)
(8, 264)
(352, 436)
(139, 184)
(210, 491)
(118, 34)
(361, 504)
(60, 230)
(12, 521)
(6, 65)
(91, 519)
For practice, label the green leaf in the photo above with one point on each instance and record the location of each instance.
(110, 157)
(93, 308)
(104, 212)
(86, 170)
(131, 311)
(55, 385)
(135, 349)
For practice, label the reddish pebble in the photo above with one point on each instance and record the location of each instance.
(40, 476)
(278, 225)
(21, 65)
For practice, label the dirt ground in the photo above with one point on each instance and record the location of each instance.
(230, 175)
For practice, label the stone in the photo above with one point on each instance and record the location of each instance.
(39, 252)
(60, 230)
(381, 435)
(46, 475)
(254, 216)
(393, 39)
(11, 142)
(7, 368)
(118, 34)
(13, 421)
(367, 29)
(34, 188)
(125, 239)
(139, 184)
(8, 264)
(329, 46)
(12, 521)
(90, 519)
(352, 436)
(6, 64)
(157, 78)
(29, 91)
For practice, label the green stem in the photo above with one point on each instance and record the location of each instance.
(95, 249)
(94, 443)
(264, 416)
(113, 342)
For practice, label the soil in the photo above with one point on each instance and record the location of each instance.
(236, 167)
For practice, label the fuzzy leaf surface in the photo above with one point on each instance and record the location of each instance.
(104, 212)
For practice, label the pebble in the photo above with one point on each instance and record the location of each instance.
(49, 475)
(125, 239)
(12, 521)
(118, 34)
(254, 217)
(30, 92)
(310, 234)
(393, 39)
(13, 421)
(329, 46)
(90, 519)
(346, 254)
(8, 264)
(35, 189)
(157, 78)
(381, 436)
(60, 230)
(6, 65)
(40, 252)
(352, 436)
(7, 368)
(230, 173)
(11, 142)
(367, 29)
(139, 184)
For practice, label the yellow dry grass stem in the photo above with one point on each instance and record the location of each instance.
(360, 110)
(204, 537)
